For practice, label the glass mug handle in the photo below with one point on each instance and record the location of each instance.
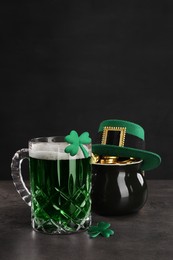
(16, 174)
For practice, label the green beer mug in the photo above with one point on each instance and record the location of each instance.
(60, 185)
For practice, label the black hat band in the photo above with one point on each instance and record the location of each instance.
(113, 138)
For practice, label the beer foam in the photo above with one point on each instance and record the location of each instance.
(52, 151)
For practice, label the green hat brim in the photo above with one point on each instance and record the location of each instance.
(150, 160)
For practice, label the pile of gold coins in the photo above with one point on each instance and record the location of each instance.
(112, 160)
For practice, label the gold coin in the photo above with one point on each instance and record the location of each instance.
(95, 158)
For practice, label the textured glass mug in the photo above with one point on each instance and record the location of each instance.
(60, 185)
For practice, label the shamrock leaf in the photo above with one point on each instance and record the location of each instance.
(84, 138)
(93, 229)
(73, 139)
(94, 234)
(77, 142)
(107, 232)
(100, 229)
(72, 149)
(103, 225)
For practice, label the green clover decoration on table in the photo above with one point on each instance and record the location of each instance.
(77, 142)
(102, 228)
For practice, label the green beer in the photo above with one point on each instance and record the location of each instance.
(60, 192)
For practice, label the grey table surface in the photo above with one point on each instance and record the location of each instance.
(146, 235)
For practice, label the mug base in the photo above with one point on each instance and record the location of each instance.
(53, 228)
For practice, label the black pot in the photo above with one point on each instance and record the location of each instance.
(118, 189)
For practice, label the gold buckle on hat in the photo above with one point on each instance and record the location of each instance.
(122, 131)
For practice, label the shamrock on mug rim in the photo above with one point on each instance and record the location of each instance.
(77, 142)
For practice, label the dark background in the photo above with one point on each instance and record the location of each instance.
(71, 64)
